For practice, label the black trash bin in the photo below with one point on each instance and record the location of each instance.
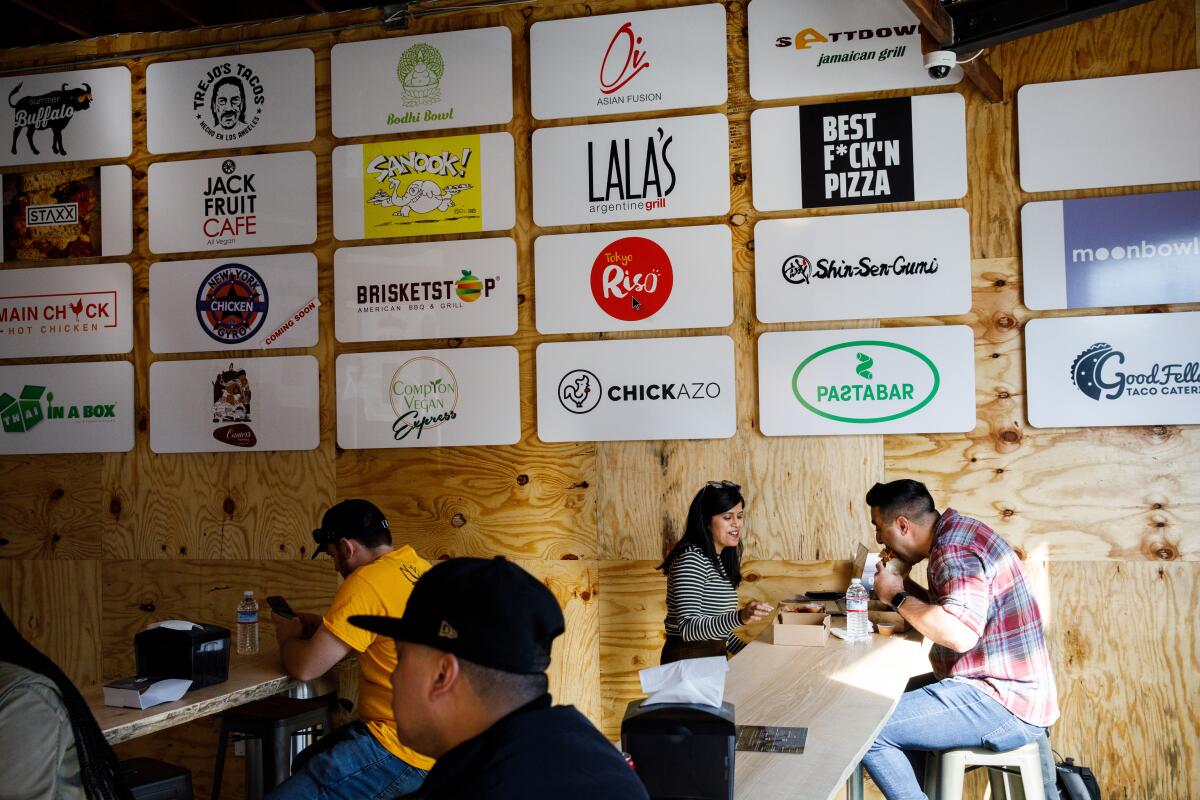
(681, 751)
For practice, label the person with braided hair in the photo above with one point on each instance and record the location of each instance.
(53, 748)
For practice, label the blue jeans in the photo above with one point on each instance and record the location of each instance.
(946, 715)
(350, 764)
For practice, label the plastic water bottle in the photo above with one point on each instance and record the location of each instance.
(858, 626)
(247, 625)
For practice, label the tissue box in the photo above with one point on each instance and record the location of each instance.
(144, 692)
(791, 628)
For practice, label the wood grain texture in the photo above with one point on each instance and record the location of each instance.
(53, 604)
(51, 507)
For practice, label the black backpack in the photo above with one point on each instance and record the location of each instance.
(1076, 782)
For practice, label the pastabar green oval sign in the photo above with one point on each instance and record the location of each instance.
(866, 382)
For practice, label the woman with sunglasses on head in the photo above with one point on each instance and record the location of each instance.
(703, 572)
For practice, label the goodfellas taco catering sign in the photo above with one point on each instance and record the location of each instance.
(895, 380)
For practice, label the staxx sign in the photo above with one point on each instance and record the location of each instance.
(860, 152)
(249, 303)
(851, 382)
(66, 311)
(807, 48)
(1112, 251)
(418, 187)
(636, 389)
(624, 63)
(66, 408)
(428, 398)
(233, 203)
(80, 115)
(222, 405)
(244, 100)
(1127, 369)
(420, 83)
(1123, 131)
(67, 212)
(426, 291)
(645, 279)
(856, 266)
(619, 171)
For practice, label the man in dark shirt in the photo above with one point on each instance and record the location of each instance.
(472, 651)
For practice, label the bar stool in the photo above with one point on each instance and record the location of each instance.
(151, 779)
(268, 727)
(946, 770)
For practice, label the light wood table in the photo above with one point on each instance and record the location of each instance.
(842, 693)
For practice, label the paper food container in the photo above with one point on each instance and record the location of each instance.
(790, 628)
(889, 617)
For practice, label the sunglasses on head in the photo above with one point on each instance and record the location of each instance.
(722, 485)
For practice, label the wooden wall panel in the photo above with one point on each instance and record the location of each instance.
(51, 507)
(53, 604)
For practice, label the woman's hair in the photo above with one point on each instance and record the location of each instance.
(99, 769)
(714, 499)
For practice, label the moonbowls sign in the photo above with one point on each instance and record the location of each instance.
(894, 380)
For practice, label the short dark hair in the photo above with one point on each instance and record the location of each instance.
(500, 688)
(904, 497)
(229, 80)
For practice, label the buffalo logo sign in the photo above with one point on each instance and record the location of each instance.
(51, 111)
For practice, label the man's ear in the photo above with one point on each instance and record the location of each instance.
(447, 677)
(903, 525)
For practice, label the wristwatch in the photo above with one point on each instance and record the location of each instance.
(897, 600)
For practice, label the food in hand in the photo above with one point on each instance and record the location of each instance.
(893, 563)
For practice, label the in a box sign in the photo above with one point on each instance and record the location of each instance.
(429, 398)
(231, 405)
(1127, 369)
(806, 48)
(66, 311)
(405, 84)
(82, 115)
(67, 212)
(1112, 251)
(249, 303)
(234, 202)
(855, 266)
(66, 408)
(243, 100)
(620, 171)
(861, 152)
(645, 279)
(851, 382)
(636, 389)
(426, 291)
(627, 63)
(419, 187)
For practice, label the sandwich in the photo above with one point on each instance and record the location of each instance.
(893, 563)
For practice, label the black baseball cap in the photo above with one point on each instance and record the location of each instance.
(488, 611)
(349, 519)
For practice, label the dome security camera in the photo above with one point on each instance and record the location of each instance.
(938, 63)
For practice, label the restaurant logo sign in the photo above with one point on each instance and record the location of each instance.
(231, 404)
(232, 303)
(423, 394)
(229, 205)
(56, 213)
(1097, 373)
(632, 278)
(228, 101)
(420, 74)
(854, 153)
(80, 115)
(798, 269)
(630, 174)
(623, 61)
(850, 391)
(424, 182)
(579, 391)
(66, 314)
(25, 412)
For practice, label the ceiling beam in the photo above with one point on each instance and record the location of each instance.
(937, 23)
(34, 8)
(183, 12)
(315, 6)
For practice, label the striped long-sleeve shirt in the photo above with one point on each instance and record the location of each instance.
(701, 604)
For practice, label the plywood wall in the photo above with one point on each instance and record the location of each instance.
(94, 546)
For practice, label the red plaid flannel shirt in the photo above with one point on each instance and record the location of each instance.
(976, 576)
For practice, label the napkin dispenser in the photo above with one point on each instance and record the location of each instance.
(681, 750)
(188, 650)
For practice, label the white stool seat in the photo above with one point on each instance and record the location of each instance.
(944, 780)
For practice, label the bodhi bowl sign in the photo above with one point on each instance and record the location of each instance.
(825, 384)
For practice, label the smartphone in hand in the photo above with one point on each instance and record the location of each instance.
(280, 606)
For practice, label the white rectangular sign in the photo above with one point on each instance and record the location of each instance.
(66, 311)
(1095, 252)
(426, 291)
(852, 382)
(406, 84)
(81, 115)
(233, 304)
(228, 405)
(243, 100)
(67, 212)
(1124, 369)
(423, 187)
(858, 266)
(429, 398)
(66, 408)
(865, 151)
(627, 63)
(1123, 131)
(639, 280)
(643, 170)
(636, 389)
(806, 48)
(233, 202)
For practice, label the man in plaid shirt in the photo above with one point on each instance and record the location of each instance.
(991, 684)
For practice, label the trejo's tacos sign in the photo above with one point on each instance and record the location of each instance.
(866, 382)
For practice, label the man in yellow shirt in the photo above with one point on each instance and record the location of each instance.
(363, 760)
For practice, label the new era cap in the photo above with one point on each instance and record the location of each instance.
(349, 519)
(489, 611)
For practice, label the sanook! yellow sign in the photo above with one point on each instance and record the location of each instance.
(422, 186)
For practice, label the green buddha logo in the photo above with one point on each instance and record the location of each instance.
(894, 382)
(23, 414)
(420, 72)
